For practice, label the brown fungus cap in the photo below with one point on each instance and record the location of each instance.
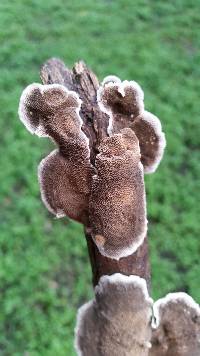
(64, 175)
(117, 207)
(177, 331)
(117, 321)
(64, 186)
(148, 130)
(124, 103)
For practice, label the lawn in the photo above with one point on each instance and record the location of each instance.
(44, 271)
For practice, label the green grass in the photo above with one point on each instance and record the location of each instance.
(44, 269)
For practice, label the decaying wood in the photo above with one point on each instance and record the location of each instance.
(136, 264)
(82, 80)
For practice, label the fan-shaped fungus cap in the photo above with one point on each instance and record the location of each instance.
(117, 208)
(177, 330)
(65, 186)
(124, 103)
(117, 321)
(148, 130)
(64, 175)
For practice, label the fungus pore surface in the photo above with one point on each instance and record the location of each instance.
(117, 207)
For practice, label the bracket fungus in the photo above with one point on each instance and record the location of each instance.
(124, 103)
(107, 193)
(117, 209)
(177, 329)
(122, 320)
(117, 321)
(65, 174)
(106, 141)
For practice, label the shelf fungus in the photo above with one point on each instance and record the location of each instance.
(117, 211)
(65, 174)
(177, 326)
(124, 103)
(117, 321)
(96, 177)
(106, 141)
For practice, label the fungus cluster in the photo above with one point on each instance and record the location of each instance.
(122, 320)
(107, 195)
(96, 177)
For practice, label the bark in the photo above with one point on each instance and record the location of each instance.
(82, 80)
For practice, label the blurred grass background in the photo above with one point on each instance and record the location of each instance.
(44, 270)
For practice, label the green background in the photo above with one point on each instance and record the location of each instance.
(44, 270)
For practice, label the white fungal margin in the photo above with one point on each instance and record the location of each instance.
(110, 78)
(59, 213)
(102, 107)
(136, 87)
(126, 251)
(176, 298)
(82, 312)
(22, 110)
(118, 278)
(155, 123)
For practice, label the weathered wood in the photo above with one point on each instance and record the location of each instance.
(82, 80)
(136, 264)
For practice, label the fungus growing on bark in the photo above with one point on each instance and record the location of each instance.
(124, 103)
(65, 174)
(96, 177)
(91, 178)
(117, 208)
(117, 321)
(177, 331)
